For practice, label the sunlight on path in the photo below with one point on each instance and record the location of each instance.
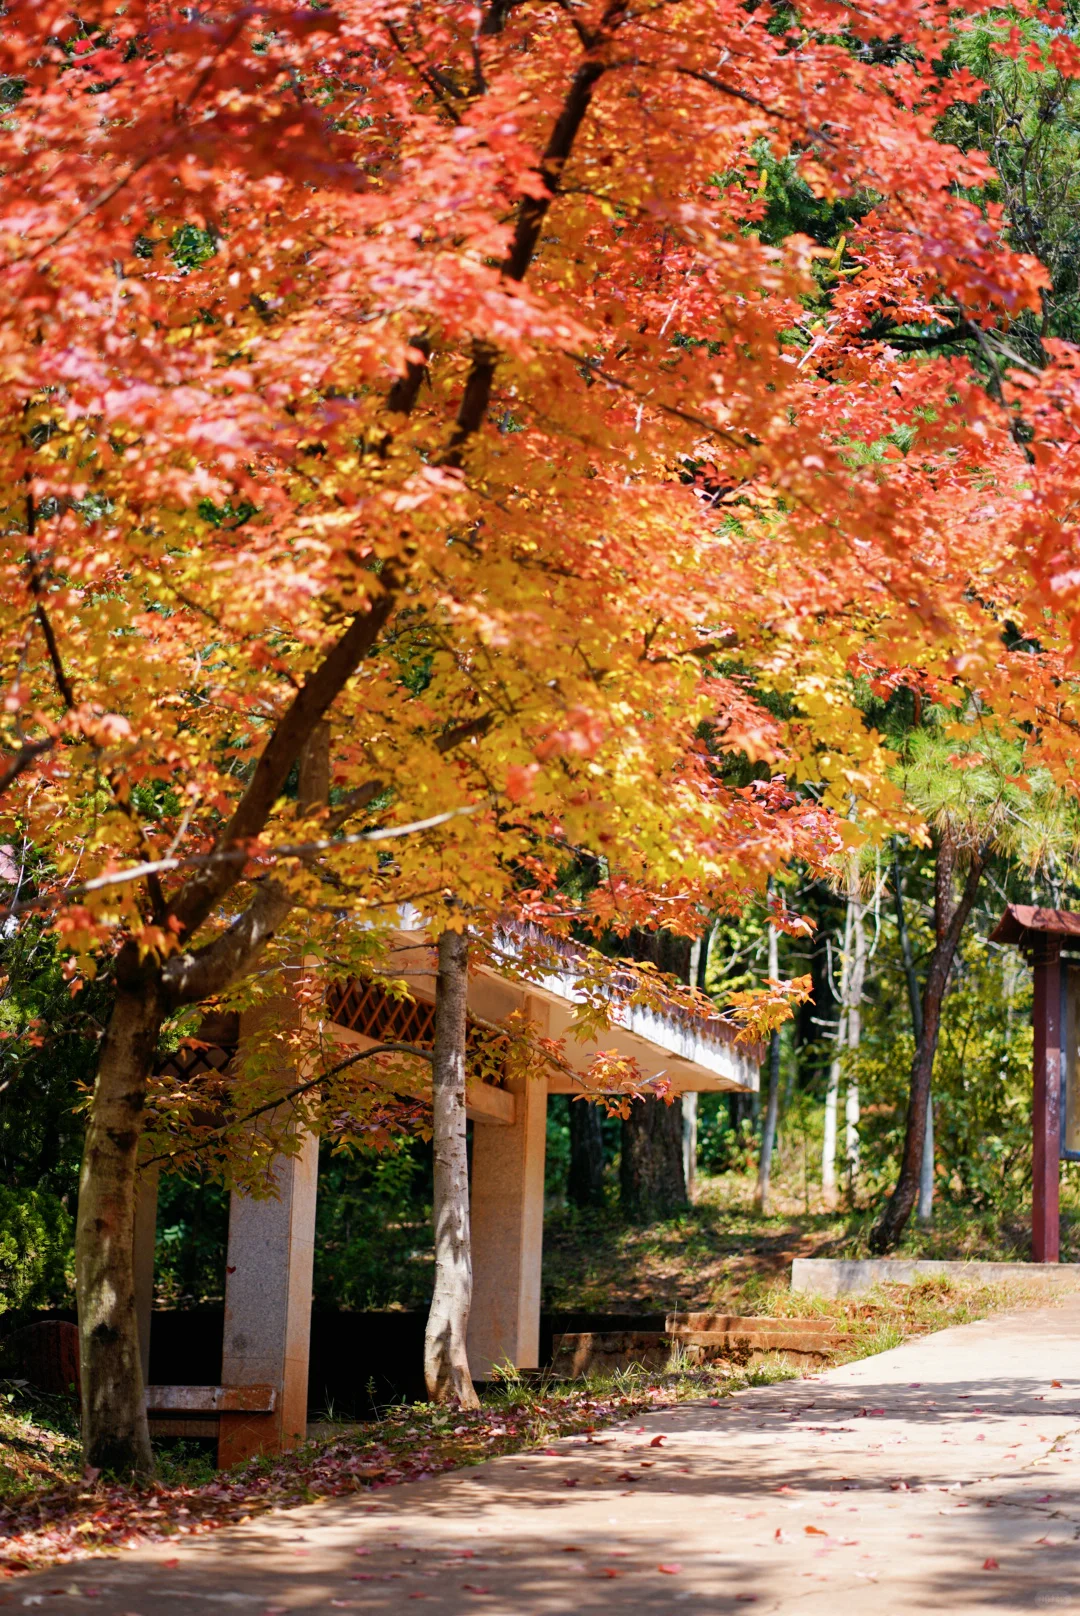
(941, 1476)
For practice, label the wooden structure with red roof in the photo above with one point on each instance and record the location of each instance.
(1050, 940)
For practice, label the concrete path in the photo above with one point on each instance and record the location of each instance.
(942, 1476)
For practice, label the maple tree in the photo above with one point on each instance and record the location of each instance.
(418, 373)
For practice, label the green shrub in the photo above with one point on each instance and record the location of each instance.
(36, 1250)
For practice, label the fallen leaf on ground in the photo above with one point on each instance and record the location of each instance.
(991, 1565)
(814, 1531)
(670, 1570)
(657, 1440)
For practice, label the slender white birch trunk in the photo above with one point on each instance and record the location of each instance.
(856, 983)
(446, 1363)
(832, 1092)
(772, 1108)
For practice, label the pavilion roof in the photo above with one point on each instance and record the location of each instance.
(1021, 919)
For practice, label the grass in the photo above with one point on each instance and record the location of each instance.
(721, 1250)
(39, 1442)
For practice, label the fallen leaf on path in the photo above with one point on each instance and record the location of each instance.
(814, 1531)
(780, 1536)
(991, 1565)
(657, 1440)
(475, 1588)
(1056, 1383)
(670, 1570)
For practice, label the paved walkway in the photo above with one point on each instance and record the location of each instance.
(942, 1476)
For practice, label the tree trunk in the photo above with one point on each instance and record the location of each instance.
(856, 983)
(651, 1179)
(116, 1436)
(689, 1102)
(585, 1180)
(697, 976)
(446, 1363)
(925, 1211)
(772, 1109)
(832, 1092)
(848, 1034)
(115, 1431)
(950, 918)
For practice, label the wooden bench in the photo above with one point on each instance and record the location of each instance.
(196, 1410)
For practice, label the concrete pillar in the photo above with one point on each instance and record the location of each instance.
(1046, 1100)
(146, 1195)
(507, 1217)
(268, 1307)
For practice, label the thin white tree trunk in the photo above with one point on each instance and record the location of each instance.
(772, 1109)
(446, 1363)
(924, 1212)
(689, 1142)
(856, 983)
(832, 1092)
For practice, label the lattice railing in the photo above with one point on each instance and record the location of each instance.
(365, 1007)
(196, 1060)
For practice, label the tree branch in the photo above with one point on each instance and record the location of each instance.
(27, 753)
(531, 215)
(202, 891)
(291, 1094)
(189, 978)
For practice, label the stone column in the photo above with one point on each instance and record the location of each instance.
(268, 1307)
(507, 1216)
(143, 1259)
(1046, 1100)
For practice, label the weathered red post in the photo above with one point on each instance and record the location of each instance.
(1041, 934)
(1046, 1098)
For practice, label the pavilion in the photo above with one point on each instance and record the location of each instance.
(261, 1404)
